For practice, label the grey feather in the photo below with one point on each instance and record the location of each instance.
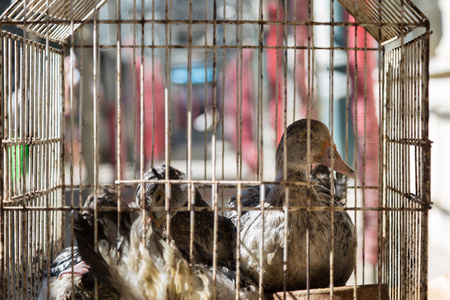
(62, 288)
(180, 229)
(322, 175)
(147, 266)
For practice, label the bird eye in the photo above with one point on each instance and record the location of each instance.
(158, 196)
(305, 134)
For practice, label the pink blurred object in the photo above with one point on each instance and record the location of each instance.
(150, 116)
(234, 84)
(79, 269)
(275, 63)
(301, 71)
(366, 128)
(275, 74)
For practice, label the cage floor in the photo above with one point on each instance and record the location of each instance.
(371, 291)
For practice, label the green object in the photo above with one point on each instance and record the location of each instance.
(18, 156)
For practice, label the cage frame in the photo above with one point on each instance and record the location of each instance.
(401, 29)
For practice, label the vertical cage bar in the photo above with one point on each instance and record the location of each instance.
(60, 181)
(309, 113)
(153, 85)
(24, 219)
(80, 117)
(119, 114)
(95, 107)
(142, 109)
(205, 135)
(3, 277)
(240, 88)
(222, 98)
(45, 151)
(213, 151)
(260, 162)
(168, 105)
(238, 239)
(191, 188)
(72, 137)
(286, 204)
(331, 116)
(426, 171)
(381, 157)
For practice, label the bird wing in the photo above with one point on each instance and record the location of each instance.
(63, 261)
(250, 197)
(322, 175)
(110, 237)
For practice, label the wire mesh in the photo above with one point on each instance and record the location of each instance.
(32, 156)
(407, 168)
(94, 97)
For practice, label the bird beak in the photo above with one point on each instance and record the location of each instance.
(78, 270)
(340, 166)
(160, 222)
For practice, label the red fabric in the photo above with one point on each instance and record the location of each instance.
(366, 126)
(301, 40)
(274, 38)
(149, 117)
(275, 70)
(234, 84)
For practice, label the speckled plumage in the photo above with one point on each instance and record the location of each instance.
(322, 175)
(107, 213)
(83, 289)
(320, 234)
(155, 269)
(61, 287)
(180, 221)
(83, 284)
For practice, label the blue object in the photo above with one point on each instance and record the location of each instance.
(180, 75)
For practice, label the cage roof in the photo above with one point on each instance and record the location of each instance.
(386, 19)
(383, 19)
(59, 12)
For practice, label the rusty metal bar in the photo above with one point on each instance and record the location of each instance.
(412, 25)
(191, 188)
(3, 276)
(215, 201)
(273, 208)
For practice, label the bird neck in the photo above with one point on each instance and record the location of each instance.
(298, 194)
(296, 166)
(293, 173)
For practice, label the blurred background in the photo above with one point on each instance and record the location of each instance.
(206, 115)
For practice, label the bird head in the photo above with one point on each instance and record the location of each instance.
(316, 138)
(103, 198)
(155, 193)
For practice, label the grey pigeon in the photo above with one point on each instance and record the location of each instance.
(180, 229)
(144, 265)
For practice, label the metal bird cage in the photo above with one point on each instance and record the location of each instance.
(93, 93)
